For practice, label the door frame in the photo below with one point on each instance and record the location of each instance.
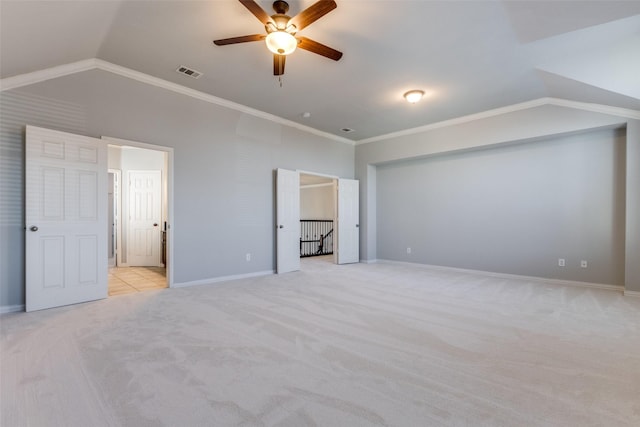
(334, 179)
(117, 193)
(169, 153)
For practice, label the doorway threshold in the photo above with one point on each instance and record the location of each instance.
(128, 280)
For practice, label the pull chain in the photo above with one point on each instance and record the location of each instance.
(280, 80)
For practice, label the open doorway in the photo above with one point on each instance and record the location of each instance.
(138, 211)
(288, 231)
(318, 211)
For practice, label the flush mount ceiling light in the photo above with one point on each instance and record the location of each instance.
(281, 42)
(413, 96)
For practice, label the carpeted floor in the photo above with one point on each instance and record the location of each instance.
(355, 345)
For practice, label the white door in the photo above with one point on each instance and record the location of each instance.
(288, 221)
(145, 204)
(348, 221)
(66, 219)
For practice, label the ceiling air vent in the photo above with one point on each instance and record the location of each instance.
(189, 72)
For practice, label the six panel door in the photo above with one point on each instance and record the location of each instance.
(66, 218)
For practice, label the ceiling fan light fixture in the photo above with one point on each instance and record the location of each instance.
(281, 30)
(281, 43)
(413, 96)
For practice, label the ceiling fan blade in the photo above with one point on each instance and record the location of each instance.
(278, 64)
(241, 39)
(312, 13)
(257, 11)
(315, 47)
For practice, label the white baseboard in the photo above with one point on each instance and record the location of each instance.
(632, 294)
(510, 276)
(222, 279)
(368, 261)
(4, 309)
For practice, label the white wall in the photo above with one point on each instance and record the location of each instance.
(317, 202)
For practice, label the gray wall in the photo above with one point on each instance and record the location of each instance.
(513, 209)
(223, 168)
(632, 254)
(528, 125)
(15, 110)
(224, 163)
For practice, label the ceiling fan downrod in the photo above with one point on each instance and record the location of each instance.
(281, 7)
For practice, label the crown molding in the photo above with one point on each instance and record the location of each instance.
(457, 120)
(27, 79)
(596, 108)
(21, 80)
(174, 87)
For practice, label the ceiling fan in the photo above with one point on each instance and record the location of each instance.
(281, 30)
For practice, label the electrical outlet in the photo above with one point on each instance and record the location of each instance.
(408, 250)
(561, 262)
(583, 263)
(248, 257)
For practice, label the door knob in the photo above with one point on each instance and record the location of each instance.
(281, 226)
(33, 228)
(357, 225)
(155, 224)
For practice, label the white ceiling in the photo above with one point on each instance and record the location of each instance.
(469, 56)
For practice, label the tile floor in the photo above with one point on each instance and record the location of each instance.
(126, 280)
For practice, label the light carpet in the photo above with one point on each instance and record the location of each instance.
(354, 345)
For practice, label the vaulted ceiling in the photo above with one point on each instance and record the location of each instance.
(468, 56)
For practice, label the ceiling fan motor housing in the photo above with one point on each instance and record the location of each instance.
(281, 22)
(281, 7)
(280, 19)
